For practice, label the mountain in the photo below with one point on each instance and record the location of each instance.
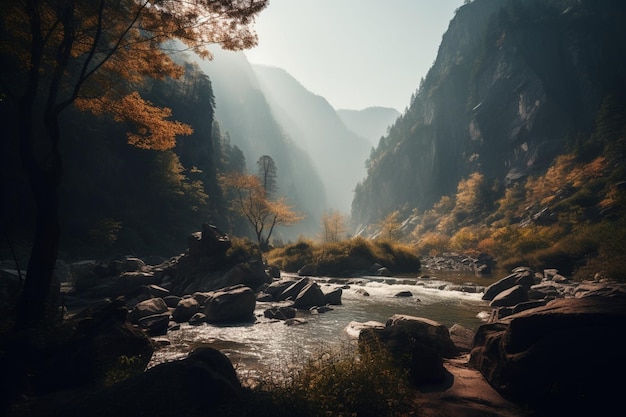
(311, 122)
(244, 114)
(513, 81)
(370, 123)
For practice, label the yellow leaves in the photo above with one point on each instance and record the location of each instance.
(152, 127)
(333, 226)
(154, 131)
(251, 201)
(283, 213)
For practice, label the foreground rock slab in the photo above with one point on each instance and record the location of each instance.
(559, 358)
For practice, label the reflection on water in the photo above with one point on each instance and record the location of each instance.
(267, 344)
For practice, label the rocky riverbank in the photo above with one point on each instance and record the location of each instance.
(549, 343)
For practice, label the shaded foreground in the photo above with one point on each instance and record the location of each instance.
(550, 348)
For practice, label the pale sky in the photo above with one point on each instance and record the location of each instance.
(354, 53)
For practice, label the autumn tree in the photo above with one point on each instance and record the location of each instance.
(390, 226)
(251, 201)
(94, 54)
(333, 226)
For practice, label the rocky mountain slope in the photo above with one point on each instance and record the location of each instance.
(338, 153)
(512, 81)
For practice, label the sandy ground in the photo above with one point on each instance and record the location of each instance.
(466, 394)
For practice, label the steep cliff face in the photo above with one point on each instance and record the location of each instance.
(511, 81)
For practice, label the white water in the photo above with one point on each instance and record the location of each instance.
(266, 344)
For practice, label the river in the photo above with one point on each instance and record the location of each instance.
(267, 345)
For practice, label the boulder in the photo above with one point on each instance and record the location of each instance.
(197, 319)
(82, 269)
(192, 386)
(94, 349)
(171, 300)
(209, 242)
(310, 296)
(276, 288)
(510, 297)
(292, 291)
(230, 304)
(155, 325)
(333, 297)
(563, 358)
(521, 276)
(415, 343)
(280, 313)
(404, 294)
(251, 274)
(353, 329)
(462, 338)
(147, 308)
(185, 309)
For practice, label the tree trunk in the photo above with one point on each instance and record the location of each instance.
(44, 182)
(43, 256)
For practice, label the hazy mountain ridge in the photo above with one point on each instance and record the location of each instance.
(370, 123)
(511, 81)
(243, 112)
(310, 121)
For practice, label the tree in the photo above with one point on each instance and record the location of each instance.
(390, 227)
(267, 174)
(333, 226)
(251, 201)
(94, 54)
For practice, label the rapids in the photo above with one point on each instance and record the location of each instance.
(266, 345)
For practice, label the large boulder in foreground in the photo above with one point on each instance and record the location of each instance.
(99, 340)
(230, 304)
(193, 386)
(564, 357)
(415, 343)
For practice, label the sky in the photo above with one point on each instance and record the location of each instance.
(354, 53)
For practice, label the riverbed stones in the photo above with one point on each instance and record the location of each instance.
(523, 277)
(510, 297)
(147, 308)
(280, 313)
(230, 304)
(310, 295)
(333, 297)
(156, 324)
(185, 309)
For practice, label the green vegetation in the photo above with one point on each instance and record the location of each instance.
(345, 258)
(333, 382)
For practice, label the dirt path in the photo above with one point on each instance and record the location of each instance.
(467, 394)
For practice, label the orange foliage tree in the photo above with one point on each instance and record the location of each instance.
(251, 200)
(95, 54)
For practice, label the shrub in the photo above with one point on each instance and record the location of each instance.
(335, 382)
(345, 258)
(433, 244)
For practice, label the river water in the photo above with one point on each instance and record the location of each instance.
(266, 344)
